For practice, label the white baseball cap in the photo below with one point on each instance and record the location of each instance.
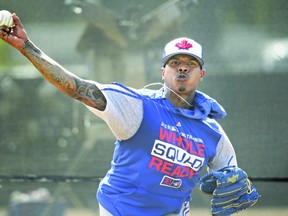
(183, 45)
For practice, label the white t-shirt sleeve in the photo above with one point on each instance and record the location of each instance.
(225, 154)
(123, 113)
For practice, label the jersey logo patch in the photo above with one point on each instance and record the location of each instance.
(171, 182)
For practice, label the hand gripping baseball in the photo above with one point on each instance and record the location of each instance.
(231, 190)
(15, 35)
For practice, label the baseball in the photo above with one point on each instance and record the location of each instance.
(6, 18)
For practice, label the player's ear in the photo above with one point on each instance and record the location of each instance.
(203, 72)
(163, 72)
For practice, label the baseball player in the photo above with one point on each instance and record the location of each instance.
(164, 138)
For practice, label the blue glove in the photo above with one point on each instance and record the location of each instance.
(231, 190)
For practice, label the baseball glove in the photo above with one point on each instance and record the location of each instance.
(231, 190)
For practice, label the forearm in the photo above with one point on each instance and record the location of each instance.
(51, 70)
(65, 81)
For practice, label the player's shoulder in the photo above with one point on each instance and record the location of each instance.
(116, 87)
(214, 124)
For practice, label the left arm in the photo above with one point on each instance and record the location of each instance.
(225, 154)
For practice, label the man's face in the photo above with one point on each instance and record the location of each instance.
(182, 74)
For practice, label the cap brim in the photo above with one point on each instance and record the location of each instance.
(165, 60)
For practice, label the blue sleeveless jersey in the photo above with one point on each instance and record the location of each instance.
(154, 171)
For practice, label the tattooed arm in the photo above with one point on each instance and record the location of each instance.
(66, 82)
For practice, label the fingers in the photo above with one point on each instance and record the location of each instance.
(4, 35)
(15, 35)
(4, 28)
(5, 31)
(16, 20)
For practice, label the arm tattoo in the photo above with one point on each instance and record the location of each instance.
(66, 82)
(90, 92)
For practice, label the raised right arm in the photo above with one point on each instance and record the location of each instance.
(65, 81)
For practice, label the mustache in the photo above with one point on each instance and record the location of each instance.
(182, 75)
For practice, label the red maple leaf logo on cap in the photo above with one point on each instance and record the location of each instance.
(184, 44)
